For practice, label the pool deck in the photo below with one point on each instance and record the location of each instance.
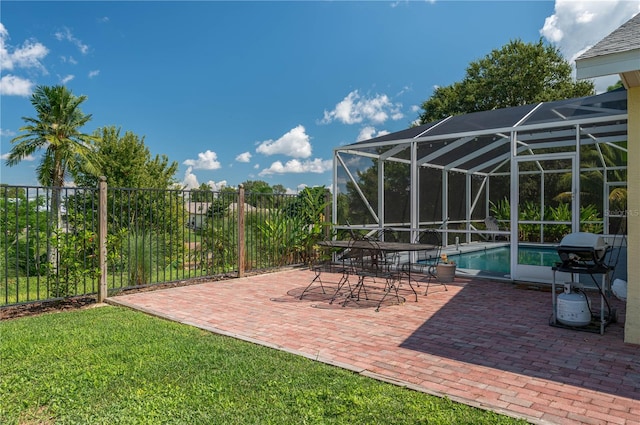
(484, 343)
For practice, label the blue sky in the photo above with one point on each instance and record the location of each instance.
(237, 91)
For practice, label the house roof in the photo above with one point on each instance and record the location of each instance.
(624, 38)
(617, 53)
(197, 207)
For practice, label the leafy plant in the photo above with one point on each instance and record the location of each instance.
(590, 219)
(77, 262)
(24, 225)
(501, 210)
(142, 250)
(219, 245)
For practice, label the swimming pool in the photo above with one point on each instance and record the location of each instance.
(497, 260)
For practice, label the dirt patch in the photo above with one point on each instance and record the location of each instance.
(34, 309)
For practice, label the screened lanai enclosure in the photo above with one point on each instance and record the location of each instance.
(519, 178)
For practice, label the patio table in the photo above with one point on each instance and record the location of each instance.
(384, 248)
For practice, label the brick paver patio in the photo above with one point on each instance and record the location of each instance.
(483, 343)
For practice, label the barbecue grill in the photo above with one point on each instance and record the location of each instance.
(582, 251)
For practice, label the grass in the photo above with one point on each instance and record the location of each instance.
(36, 288)
(112, 365)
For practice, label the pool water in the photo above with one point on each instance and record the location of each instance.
(497, 260)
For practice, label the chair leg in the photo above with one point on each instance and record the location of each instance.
(344, 279)
(316, 278)
(389, 286)
(408, 274)
(433, 275)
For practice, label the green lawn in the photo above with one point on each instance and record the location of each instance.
(111, 365)
(37, 288)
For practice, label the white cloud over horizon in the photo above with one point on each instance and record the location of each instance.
(577, 26)
(207, 160)
(295, 143)
(190, 181)
(316, 165)
(216, 187)
(355, 109)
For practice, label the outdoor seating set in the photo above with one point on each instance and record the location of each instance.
(367, 271)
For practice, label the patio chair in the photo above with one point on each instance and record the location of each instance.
(388, 235)
(349, 258)
(326, 265)
(493, 226)
(427, 260)
(373, 265)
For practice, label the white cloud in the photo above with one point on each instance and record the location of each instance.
(576, 26)
(65, 80)
(70, 59)
(256, 166)
(5, 156)
(11, 85)
(65, 34)
(94, 73)
(244, 157)
(206, 161)
(7, 133)
(190, 180)
(370, 132)
(354, 109)
(216, 187)
(296, 166)
(29, 55)
(294, 143)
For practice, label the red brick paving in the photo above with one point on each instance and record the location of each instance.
(483, 343)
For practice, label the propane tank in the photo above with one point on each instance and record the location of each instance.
(573, 308)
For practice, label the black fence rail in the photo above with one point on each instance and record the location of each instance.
(66, 242)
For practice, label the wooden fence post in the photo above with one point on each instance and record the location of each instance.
(241, 241)
(102, 238)
(327, 214)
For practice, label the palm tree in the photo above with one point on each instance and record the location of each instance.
(591, 183)
(57, 130)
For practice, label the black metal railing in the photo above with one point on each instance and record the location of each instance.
(51, 250)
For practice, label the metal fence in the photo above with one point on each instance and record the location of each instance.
(65, 242)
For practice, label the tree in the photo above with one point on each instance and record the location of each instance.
(57, 130)
(396, 192)
(517, 74)
(127, 162)
(258, 193)
(25, 224)
(616, 86)
(203, 193)
(279, 189)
